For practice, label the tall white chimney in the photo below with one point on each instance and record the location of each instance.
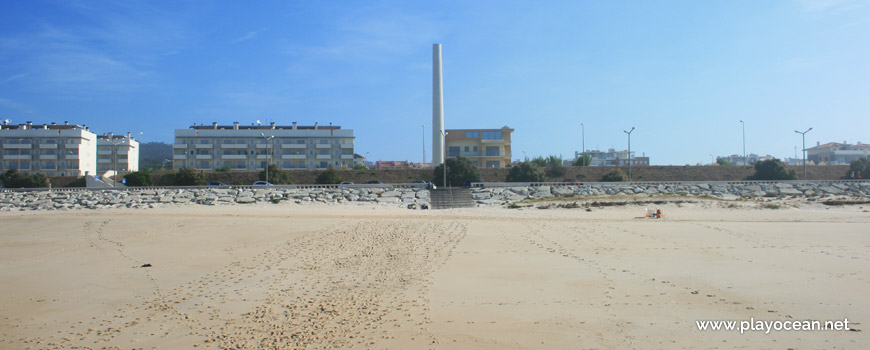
(437, 108)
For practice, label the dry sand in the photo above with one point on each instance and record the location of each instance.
(286, 276)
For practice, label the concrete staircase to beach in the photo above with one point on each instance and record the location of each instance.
(446, 198)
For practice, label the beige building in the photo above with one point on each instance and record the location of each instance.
(117, 152)
(486, 148)
(49, 149)
(252, 148)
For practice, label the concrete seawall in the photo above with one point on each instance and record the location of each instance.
(401, 196)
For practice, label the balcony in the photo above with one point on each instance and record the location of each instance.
(48, 146)
(204, 145)
(347, 146)
(104, 153)
(234, 156)
(179, 145)
(323, 145)
(17, 157)
(293, 156)
(492, 141)
(103, 161)
(17, 145)
(347, 156)
(203, 156)
(48, 157)
(71, 156)
(263, 145)
(262, 156)
(234, 146)
(293, 145)
(122, 160)
(179, 157)
(324, 156)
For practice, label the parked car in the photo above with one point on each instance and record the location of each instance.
(473, 183)
(374, 182)
(426, 184)
(262, 183)
(218, 184)
(344, 184)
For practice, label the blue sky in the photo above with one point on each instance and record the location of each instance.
(683, 73)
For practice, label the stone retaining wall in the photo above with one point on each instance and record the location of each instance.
(405, 197)
(152, 198)
(506, 195)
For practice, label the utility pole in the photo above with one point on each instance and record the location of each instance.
(743, 127)
(583, 138)
(424, 143)
(804, 149)
(629, 152)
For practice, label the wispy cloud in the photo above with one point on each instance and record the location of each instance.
(248, 36)
(15, 105)
(116, 50)
(379, 38)
(829, 5)
(14, 77)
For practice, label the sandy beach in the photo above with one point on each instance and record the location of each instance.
(290, 276)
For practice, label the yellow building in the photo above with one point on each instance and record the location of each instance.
(486, 148)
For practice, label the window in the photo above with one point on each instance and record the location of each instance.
(324, 142)
(472, 134)
(452, 151)
(475, 148)
(467, 149)
(300, 142)
(492, 135)
(492, 151)
(493, 164)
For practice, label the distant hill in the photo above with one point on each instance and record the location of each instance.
(153, 154)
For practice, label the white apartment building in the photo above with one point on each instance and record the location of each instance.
(613, 158)
(252, 148)
(117, 152)
(49, 149)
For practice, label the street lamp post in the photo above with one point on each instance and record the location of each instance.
(743, 127)
(629, 152)
(271, 140)
(444, 135)
(583, 138)
(804, 149)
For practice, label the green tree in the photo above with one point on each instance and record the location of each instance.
(614, 176)
(223, 169)
(859, 166)
(138, 178)
(277, 176)
(359, 166)
(583, 160)
(540, 161)
(526, 172)
(459, 170)
(772, 169)
(328, 177)
(722, 161)
(189, 177)
(12, 178)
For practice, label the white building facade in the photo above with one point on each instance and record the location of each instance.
(49, 149)
(613, 158)
(117, 152)
(252, 148)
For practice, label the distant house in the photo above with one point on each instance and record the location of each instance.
(833, 153)
(613, 158)
(752, 158)
(392, 164)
